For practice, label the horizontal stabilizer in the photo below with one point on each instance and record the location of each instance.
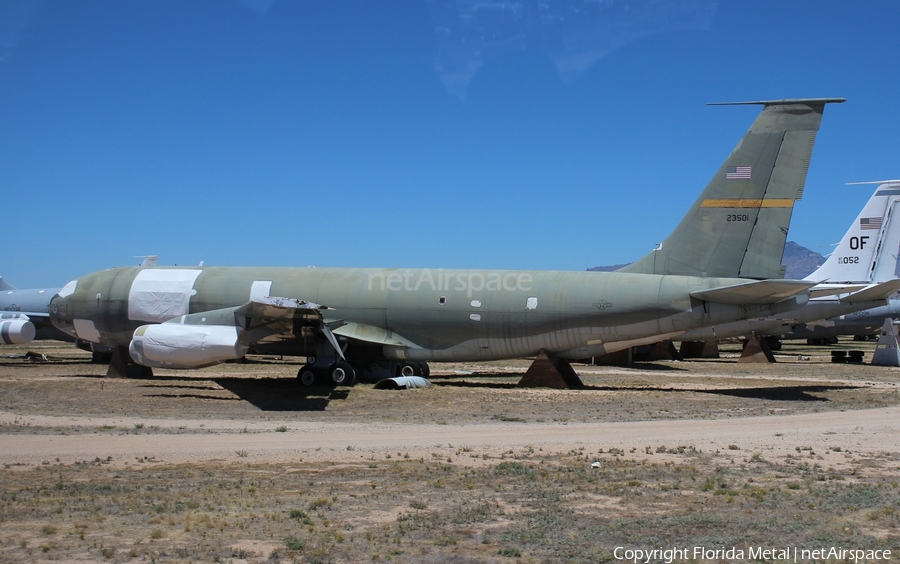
(822, 290)
(786, 102)
(874, 292)
(753, 293)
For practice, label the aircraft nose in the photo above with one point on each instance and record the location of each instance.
(61, 310)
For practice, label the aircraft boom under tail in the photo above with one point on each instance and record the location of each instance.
(738, 226)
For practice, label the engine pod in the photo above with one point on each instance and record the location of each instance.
(186, 346)
(16, 331)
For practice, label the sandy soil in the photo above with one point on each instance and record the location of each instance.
(865, 431)
(65, 411)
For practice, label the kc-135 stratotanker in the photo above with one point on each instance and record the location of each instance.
(722, 263)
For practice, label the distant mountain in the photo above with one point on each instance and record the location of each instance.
(799, 261)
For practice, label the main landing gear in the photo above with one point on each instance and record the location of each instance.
(414, 368)
(340, 373)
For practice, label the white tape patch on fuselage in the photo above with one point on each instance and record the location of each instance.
(68, 289)
(260, 289)
(86, 330)
(159, 295)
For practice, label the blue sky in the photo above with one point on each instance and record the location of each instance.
(551, 135)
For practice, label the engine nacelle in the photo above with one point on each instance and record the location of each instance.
(171, 345)
(15, 329)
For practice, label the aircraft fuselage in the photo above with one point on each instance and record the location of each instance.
(443, 315)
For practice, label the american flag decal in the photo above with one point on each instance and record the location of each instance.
(870, 223)
(738, 172)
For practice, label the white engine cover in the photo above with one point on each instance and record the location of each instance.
(171, 345)
(16, 329)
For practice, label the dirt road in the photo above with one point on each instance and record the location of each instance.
(124, 439)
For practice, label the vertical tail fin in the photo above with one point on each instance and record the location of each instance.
(868, 252)
(738, 226)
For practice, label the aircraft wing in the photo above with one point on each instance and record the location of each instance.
(272, 319)
(272, 310)
(754, 293)
(275, 308)
(874, 292)
(30, 314)
(373, 334)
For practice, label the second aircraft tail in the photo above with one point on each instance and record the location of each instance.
(869, 250)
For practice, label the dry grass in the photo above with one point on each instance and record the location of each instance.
(524, 505)
(536, 506)
(265, 390)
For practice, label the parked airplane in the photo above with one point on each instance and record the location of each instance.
(25, 315)
(865, 324)
(716, 267)
(859, 274)
(861, 325)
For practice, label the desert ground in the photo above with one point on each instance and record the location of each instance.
(239, 463)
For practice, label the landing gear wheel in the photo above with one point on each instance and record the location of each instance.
(342, 374)
(409, 369)
(101, 357)
(359, 372)
(424, 369)
(307, 376)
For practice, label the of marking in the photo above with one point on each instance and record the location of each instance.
(748, 203)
